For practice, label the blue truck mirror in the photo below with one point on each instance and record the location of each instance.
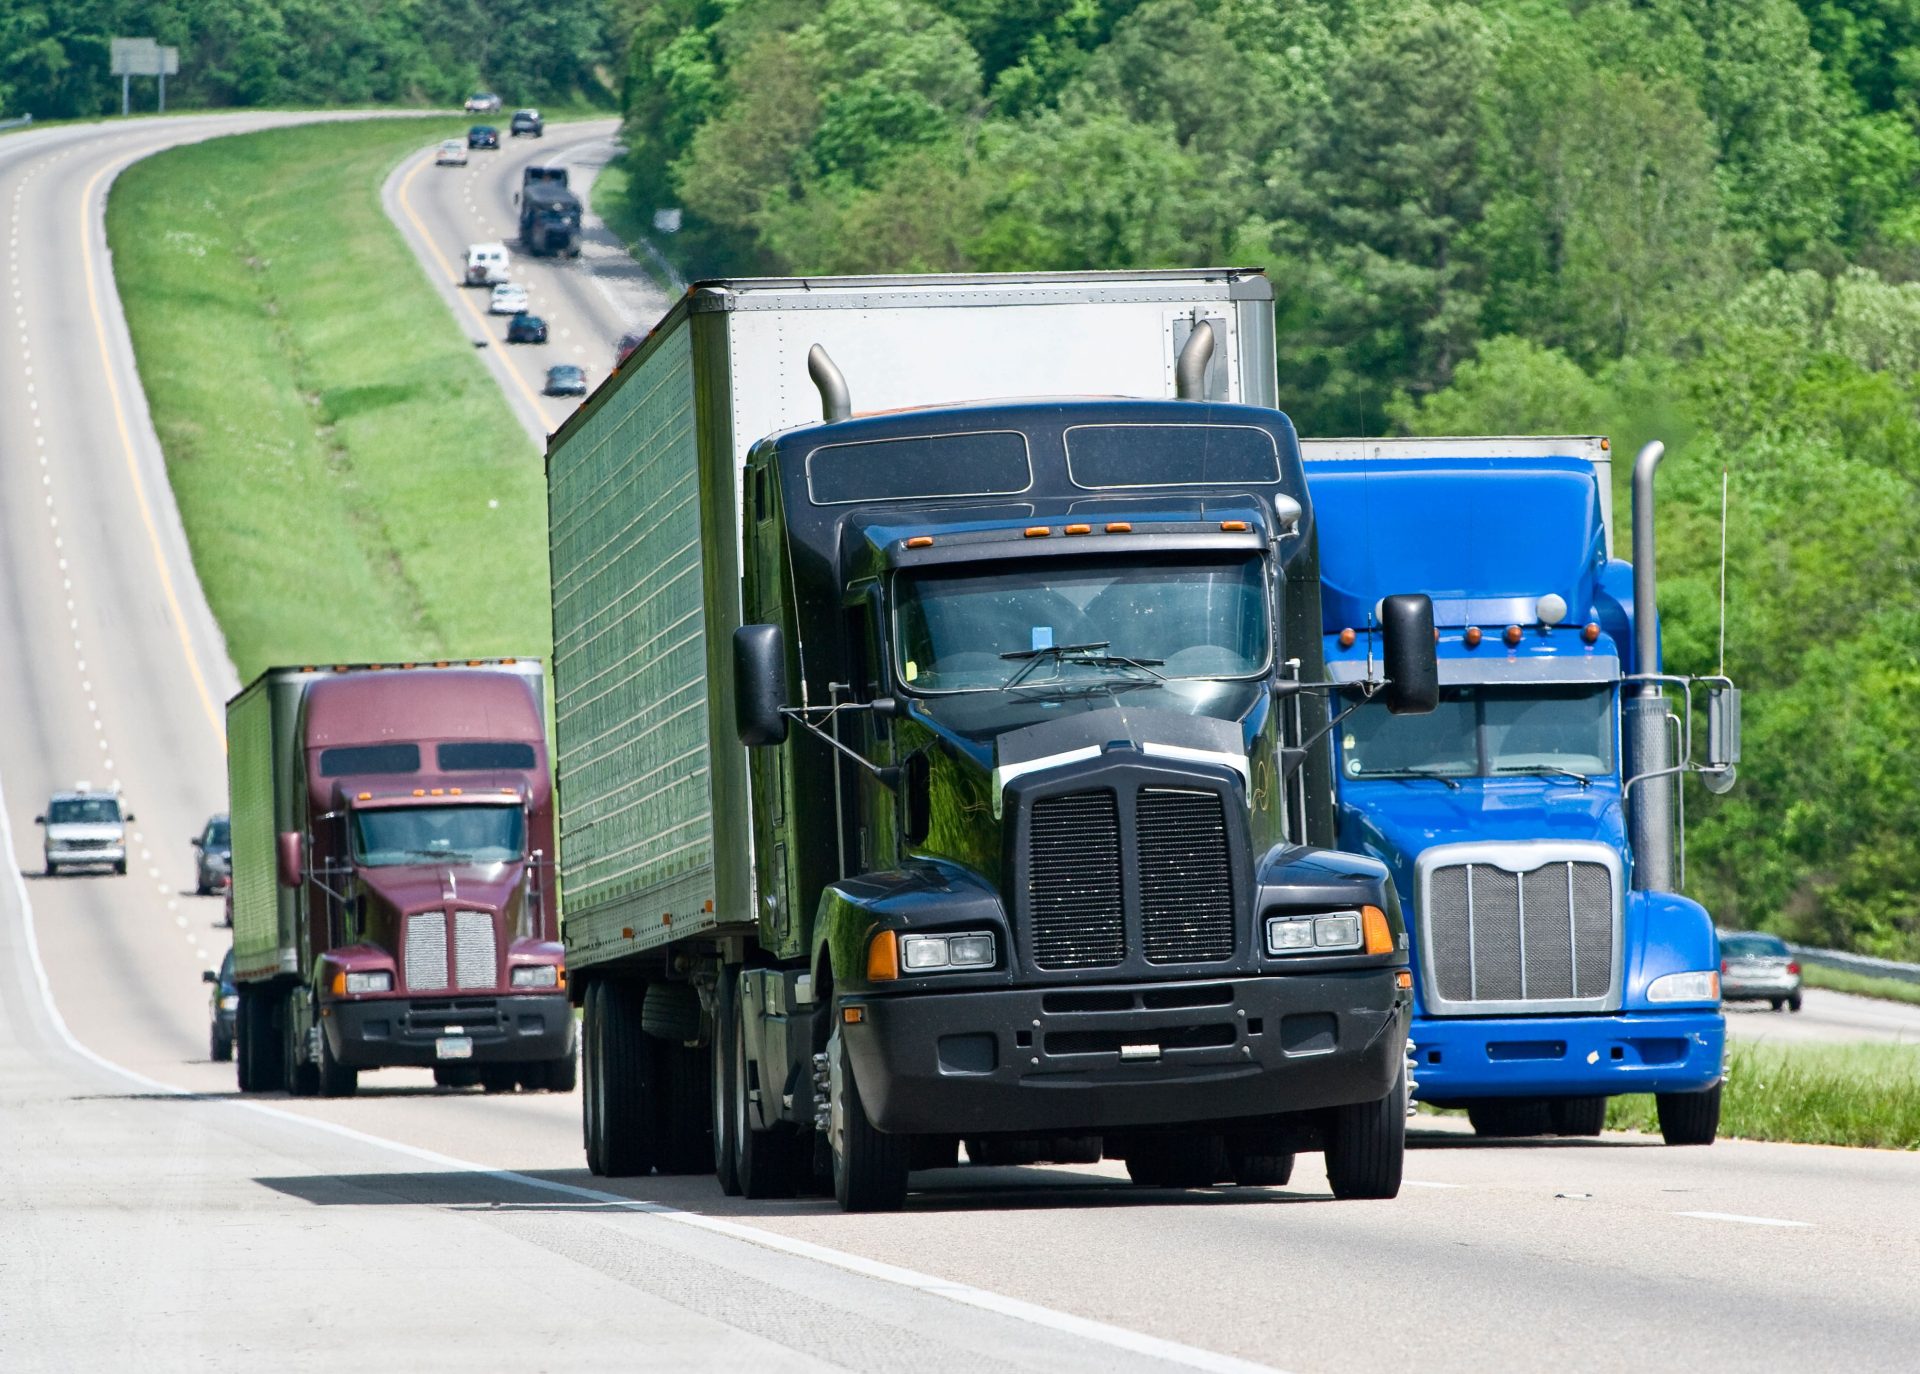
(760, 684)
(1413, 669)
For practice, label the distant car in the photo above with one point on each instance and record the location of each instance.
(509, 298)
(482, 102)
(487, 264)
(527, 122)
(85, 829)
(1758, 968)
(629, 341)
(566, 380)
(224, 1005)
(213, 856)
(453, 153)
(527, 329)
(483, 136)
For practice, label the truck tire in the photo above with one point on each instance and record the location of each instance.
(257, 1043)
(53, 869)
(560, 1075)
(686, 1110)
(335, 1078)
(1197, 1160)
(242, 1042)
(121, 868)
(1511, 1118)
(630, 1083)
(725, 1147)
(1689, 1118)
(219, 1047)
(869, 1166)
(499, 1078)
(299, 1078)
(1255, 1166)
(766, 1164)
(671, 1012)
(1578, 1115)
(591, 1136)
(455, 1076)
(1366, 1145)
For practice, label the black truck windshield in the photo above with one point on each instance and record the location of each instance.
(1480, 731)
(1047, 625)
(388, 837)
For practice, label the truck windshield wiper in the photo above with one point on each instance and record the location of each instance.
(1552, 770)
(1088, 654)
(1408, 774)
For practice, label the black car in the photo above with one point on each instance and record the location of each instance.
(566, 380)
(225, 1000)
(483, 136)
(528, 122)
(525, 328)
(213, 856)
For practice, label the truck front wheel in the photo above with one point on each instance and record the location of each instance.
(336, 1079)
(1510, 1118)
(1578, 1115)
(1366, 1146)
(869, 1166)
(726, 1037)
(1689, 1118)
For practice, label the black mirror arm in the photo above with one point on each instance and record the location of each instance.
(885, 776)
(1306, 745)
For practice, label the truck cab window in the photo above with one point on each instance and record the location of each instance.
(389, 836)
(1485, 731)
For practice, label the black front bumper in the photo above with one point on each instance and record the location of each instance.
(394, 1031)
(1106, 1058)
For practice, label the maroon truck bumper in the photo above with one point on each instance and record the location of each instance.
(393, 1031)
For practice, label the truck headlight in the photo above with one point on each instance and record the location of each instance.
(230, 1002)
(924, 953)
(1685, 987)
(380, 980)
(536, 976)
(1333, 932)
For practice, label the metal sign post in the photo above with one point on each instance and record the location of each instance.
(142, 57)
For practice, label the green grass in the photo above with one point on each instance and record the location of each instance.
(1860, 984)
(609, 200)
(1814, 1094)
(352, 482)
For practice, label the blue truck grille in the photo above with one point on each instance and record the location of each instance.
(1496, 936)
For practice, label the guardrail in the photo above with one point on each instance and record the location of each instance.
(19, 123)
(1858, 963)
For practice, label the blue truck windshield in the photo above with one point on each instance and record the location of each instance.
(1481, 731)
(1044, 623)
(390, 837)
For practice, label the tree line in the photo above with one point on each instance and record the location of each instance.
(54, 54)
(1688, 219)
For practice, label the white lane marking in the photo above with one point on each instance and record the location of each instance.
(1426, 1183)
(1747, 1221)
(1085, 1328)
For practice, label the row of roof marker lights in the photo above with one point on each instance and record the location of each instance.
(1550, 609)
(405, 667)
(924, 541)
(444, 792)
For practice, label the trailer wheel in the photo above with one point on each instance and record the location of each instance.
(336, 1079)
(869, 1166)
(686, 1116)
(298, 1078)
(243, 1041)
(1367, 1144)
(766, 1164)
(726, 1034)
(630, 1083)
(1578, 1115)
(1512, 1118)
(219, 1047)
(1689, 1118)
(591, 1136)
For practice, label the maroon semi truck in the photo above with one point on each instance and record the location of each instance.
(393, 900)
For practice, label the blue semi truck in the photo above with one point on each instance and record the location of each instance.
(1531, 822)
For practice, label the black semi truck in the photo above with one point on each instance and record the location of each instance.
(549, 213)
(947, 775)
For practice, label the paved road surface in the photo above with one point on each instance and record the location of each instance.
(140, 1226)
(1826, 1018)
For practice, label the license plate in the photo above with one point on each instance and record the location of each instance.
(453, 1047)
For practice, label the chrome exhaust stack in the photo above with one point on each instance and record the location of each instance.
(1650, 752)
(836, 402)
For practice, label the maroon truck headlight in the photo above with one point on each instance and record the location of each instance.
(539, 976)
(354, 984)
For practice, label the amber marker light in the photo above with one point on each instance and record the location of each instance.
(1347, 637)
(1472, 636)
(1591, 632)
(853, 1016)
(1235, 526)
(1403, 979)
(1039, 531)
(1512, 636)
(1373, 923)
(1119, 527)
(920, 541)
(340, 983)
(1079, 529)
(883, 957)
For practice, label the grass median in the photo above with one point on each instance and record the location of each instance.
(1811, 1094)
(1859, 984)
(353, 485)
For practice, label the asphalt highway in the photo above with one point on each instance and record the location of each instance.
(150, 1218)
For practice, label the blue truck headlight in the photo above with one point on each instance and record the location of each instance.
(536, 976)
(1335, 931)
(380, 980)
(1685, 987)
(925, 953)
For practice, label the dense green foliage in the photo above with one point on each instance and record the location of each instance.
(54, 53)
(1688, 219)
(352, 482)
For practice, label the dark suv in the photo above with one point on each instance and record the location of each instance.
(483, 136)
(224, 1006)
(528, 122)
(213, 856)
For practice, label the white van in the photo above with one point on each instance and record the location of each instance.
(487, 264)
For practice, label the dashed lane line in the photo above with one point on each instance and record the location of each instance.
(1742, 1220)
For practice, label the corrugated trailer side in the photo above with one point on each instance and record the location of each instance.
(629, 661)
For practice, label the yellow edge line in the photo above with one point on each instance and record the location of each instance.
(126, 442)
(460, 290)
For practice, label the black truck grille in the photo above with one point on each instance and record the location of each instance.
(1077, 879)
(1073, 882)
(1540, 936)
(1186, 876)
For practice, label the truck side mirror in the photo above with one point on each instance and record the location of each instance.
(760, 684)
(1413, 668)
(293, 858)
(1723, 737)
(207, 975)
(39, 820)
(127, 816)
